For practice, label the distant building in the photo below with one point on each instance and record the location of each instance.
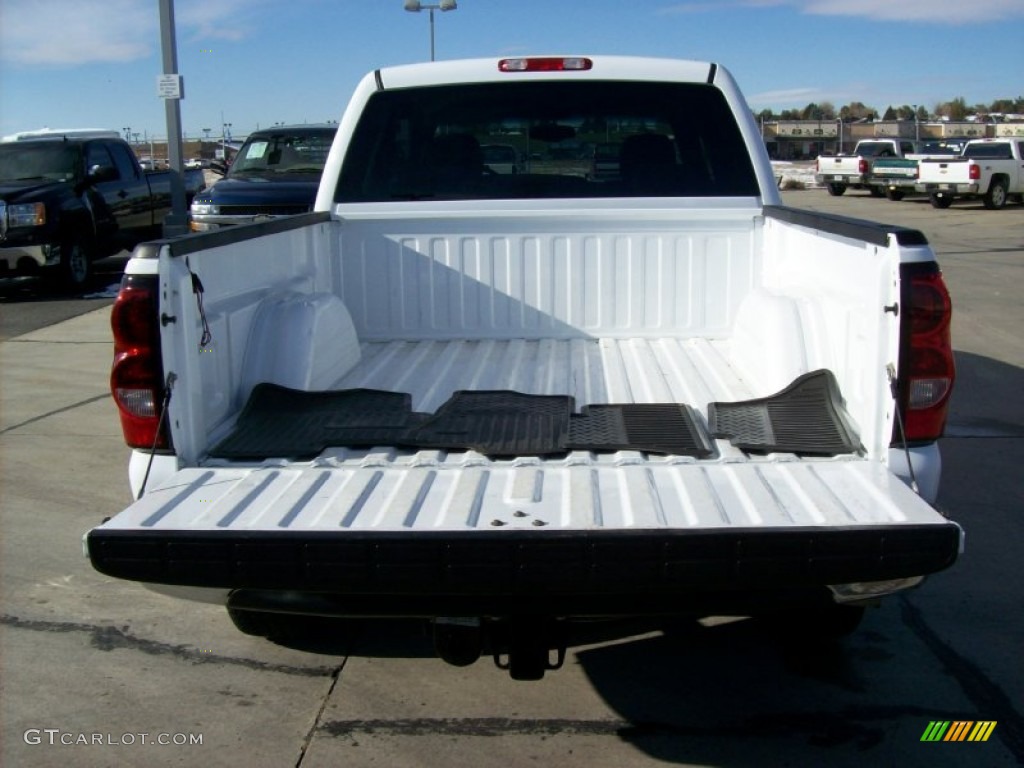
(806, 139)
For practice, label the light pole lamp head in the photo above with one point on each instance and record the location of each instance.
(415, 6)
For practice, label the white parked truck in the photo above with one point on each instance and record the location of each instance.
(992, 169)
(837, 173)
(508, 403)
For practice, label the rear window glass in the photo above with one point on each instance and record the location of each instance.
(942, 148)
(991, 151)
(546, 140)
(875, 149)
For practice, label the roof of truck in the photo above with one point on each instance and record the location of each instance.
(297, 128)
(597, 68)
(63, 133)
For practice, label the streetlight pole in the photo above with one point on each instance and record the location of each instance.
(415, 6)
(431, 9)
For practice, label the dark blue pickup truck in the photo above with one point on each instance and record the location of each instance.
(276, 173)
(68, 200)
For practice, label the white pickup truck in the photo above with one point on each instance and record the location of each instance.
(504, 403)
(990, 168)
(841, 172)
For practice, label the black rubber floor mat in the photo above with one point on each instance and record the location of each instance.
(670, 428)
(807, 417)
(282, 422)
(278, 421)
(497, 423)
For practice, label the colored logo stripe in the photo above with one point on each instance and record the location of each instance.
(982, 730)
(959, 730)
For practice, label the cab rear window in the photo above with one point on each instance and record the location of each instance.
(546, 139)
(993, 151)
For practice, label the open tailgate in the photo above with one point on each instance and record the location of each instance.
(386, 523)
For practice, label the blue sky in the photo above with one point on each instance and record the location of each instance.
(94, 63)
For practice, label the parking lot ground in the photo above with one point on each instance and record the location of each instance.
(84, 656)
(28, 304)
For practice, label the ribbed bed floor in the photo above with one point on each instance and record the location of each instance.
(646, 412)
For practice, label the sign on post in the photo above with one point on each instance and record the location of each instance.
(169, 87)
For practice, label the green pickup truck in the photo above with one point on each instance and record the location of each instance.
(841, 172)
(896, 176)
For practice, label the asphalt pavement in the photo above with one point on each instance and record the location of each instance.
(30, 303)
(95, 671)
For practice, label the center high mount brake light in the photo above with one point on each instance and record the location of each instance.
(546, 64)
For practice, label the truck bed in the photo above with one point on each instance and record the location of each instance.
(368, 495)
(422, 286)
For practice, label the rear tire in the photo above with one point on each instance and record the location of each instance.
(941, 201)
(836, 190)
(995, 198)
(894, 194)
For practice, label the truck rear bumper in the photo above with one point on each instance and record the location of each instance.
(955, 189)
(838, 178)
(894, 182)
(609, 605)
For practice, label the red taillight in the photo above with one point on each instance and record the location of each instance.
(546, 64)
(974, 172)
(862, 166)
(927, 370)
(136, 379)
